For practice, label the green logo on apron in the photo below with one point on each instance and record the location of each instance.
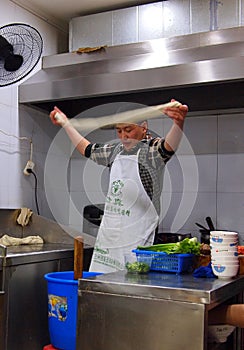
(117, 187)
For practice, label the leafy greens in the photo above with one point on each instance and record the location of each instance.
(186, 246)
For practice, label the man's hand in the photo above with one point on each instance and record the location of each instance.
(177, 114)
(173, 137)
(58, 117)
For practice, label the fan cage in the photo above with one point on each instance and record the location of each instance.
(27, 42)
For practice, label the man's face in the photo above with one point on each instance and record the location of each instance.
(131, 134)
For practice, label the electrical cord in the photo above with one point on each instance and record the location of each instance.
(36, 201)
(29, 166)
(21, 138)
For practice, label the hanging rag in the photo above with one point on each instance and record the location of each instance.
(90, 49)
(24, 216)
(7, 240)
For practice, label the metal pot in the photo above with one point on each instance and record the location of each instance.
(168, 237)
(205, 236)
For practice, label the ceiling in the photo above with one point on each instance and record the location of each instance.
(63, 11)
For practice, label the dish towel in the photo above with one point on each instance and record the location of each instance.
(24, 216)
(204, 271)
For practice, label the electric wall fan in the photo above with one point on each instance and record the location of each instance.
(20, 50)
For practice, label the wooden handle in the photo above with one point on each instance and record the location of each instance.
(78, 257)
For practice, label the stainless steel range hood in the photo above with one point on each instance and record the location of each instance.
(204, 70)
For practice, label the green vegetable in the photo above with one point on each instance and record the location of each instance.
(187, 246)
(137, 267)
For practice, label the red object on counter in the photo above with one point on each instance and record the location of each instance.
(240, 249)
(49, 347)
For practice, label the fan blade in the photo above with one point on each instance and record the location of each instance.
(12, 62)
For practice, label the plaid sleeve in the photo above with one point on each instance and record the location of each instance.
(158, 153)
(100, 153)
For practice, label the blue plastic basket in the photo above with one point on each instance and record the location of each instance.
(161, 261)
(62, 307)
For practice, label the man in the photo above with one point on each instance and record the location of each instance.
(136, 165)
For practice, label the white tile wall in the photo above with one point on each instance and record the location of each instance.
(186, 208)
(230, 208)
(16, 189)
(230, 173)
(230, 138)
(217, 142)
(199, 136)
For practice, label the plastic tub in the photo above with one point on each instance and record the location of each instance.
(62, 307)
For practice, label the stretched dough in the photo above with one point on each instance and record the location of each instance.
(132, 116)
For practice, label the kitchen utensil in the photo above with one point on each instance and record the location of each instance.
(205, 236)
(78, 257)
(168, 237)
(201, 226)
(210, 223)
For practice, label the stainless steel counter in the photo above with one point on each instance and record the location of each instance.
(23, 303)
(22, 273)
(131, 311)
(24, 310)
(37, 252)
(166, 286)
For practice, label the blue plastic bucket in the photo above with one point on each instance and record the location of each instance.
(62, 307)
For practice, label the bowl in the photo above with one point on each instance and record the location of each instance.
(224, 250)
(227, 234)
(138, 264)
(219, 333)
(225, 259)
(222, 240)
(225, 270)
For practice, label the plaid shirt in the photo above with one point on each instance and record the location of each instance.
(151, 161)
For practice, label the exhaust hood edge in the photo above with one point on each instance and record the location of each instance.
(74, 88)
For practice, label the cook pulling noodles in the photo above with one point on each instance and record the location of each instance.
(136, 165)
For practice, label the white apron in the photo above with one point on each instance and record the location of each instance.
(129, 219)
